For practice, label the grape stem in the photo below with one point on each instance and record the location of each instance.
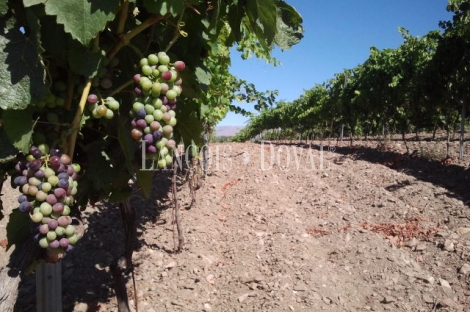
(76, 121)
(121, 87)
(177, 30)
(125, 39)
(122, 17)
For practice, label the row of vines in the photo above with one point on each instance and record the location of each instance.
(94, 91)
(423, 85)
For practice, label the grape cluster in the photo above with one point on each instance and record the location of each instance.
(104, 108)
(153, 111)
(47, 180)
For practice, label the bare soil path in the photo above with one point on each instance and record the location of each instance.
(319, 229)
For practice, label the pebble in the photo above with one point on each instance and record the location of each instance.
(465, 269)
(444, 283)
(448, 245)
(428, 299)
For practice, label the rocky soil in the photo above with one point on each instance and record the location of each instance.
(318, 228)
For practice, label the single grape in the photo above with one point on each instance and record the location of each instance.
(92, 98)
(114, 105)
(162, 143)
(152, 59)
(63, 221)
(51, 199)
(55, 152)
(43, 229)
(37, 217)
(52, 224)
(25, 206)
(63, 175)
(43, 242)
(63, 183)
(64, 242)
(53, 180)
(136, 134)
(45, 209)
(171, 94)
(22, 198)
(69, 230)
(146, 70)
(54, 161)
(165, 88)
(157, 135)
(136, 78)
(20, 180)
(166, 75)
(161, 163)
(54, 244)
(109, 114)
(35, 164)
(168, 159)
(101, 110)
(166, 117)
(76, 167)
(141, 113)
(60, 230)
(138, 91)
(39, 174)
(73, 239)
(149, 119)
(151, 149)
(163, 58)
(171, 144)
(180, 65)
(141, 124)
(41, 196)
(167, 130)
(172, 122)
(154, 125)
(32, 190)
(67, 202)
(69, 169)
(51, 235)
(36, 153)
(44, 148)
(144, 61)
(106, 83)
(158, 114)
(58, 208)
(148, 138)
(65, 159)
(61, 168)
(157, 103)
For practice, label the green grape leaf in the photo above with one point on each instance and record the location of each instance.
(18, 127)
(28, 3)
(83, 19)
(144, 179)
(7, 150)
(99, 170)
(289, 30)
(203, 75)
(84, 62)
(262, 16)
(18, 228)
(3, 7)
(21, 72)
(162, 7)
(189, 126)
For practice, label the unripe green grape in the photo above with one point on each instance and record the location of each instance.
(76, 167)
(137, 106)
(109, 114)
(163, 58)
(172, 121)
(152, 59)
(161, 144)
(46, 187)
(174, 75)
(43, 242)
(163, 109)
(44, 148)
(66, 211)
(53, 180)
(147, 130)
(41, 196)
(161, 163)
(37, 217)
(167, 130)
(163, 151)
(157, 103)
(172, 113)
(69, 230)
(144, 61)
(51, 235)
(158, 114)
(149, 119)
(171, 94)
(146, 86)
(162, 68)
(73, 239)
(95, 114)
(146, 70)
(29, 157)
(45, 209)
(149, 109)
(156, 87)
(114, 105)
(60, 230)
(168, 159)
(155, 72)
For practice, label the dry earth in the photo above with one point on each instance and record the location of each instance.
(369, 231)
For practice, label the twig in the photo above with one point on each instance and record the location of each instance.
(125, 39)
(121, 87)
(177, 30)
(76, 121)
(122, 17)
(176, 208)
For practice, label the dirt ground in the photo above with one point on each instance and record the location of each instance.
(315, 228)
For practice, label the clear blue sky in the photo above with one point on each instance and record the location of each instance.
(337, 36)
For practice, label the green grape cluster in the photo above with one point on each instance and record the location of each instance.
(157, 87)
(47, 179)
(104, 108)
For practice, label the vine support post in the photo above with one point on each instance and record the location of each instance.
(49, 287)
(179, 226)
(462, 128)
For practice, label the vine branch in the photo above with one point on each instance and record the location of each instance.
(177, 30)
(125, 39)
(122, 17)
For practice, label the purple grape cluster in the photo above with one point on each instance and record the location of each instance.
(47, 179)
(153, 111)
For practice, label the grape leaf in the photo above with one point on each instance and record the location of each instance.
(84, 62)
(83, 19)
(7, 150)
(18, 228)
(18, 127)
(21, 72)
(99, 170)
(162, 7)
(28, 3)
(3, 7)
(262, 16)
(289, 30)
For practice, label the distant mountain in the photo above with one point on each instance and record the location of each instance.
(227, 131)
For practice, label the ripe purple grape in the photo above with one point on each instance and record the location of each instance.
(157, 136)
(36, 153)
(141, 113)
(25, 206)
(64, 242)
(92, 98)
(136, 78)
(180, 65)
(22, 198)
(148, 138)
(141, 124)
(20, 180)
(63, 175)
(52, 224)
(35, 164)
(43, 229)
(54, 161)
(51, 199)
(59, 192)
(138, 91)
(39, 174)
(58, 207)
(55, 152)
(63, 221)
(63, 183)
(54, 244)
